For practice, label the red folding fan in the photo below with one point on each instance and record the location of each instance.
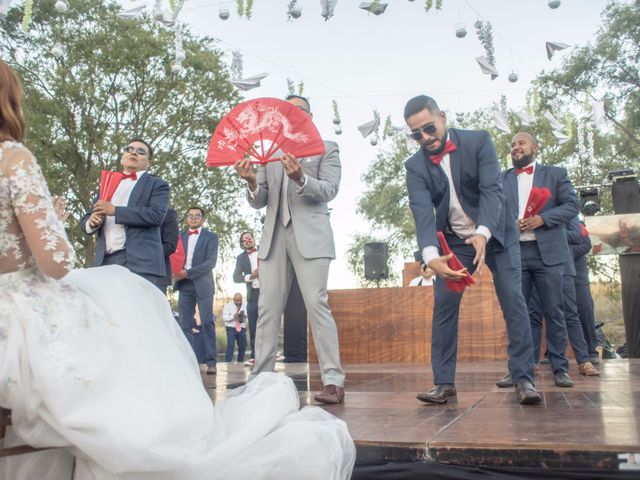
(454, 264)
(263, 128)
(177, 258)
(109, 181)
(537, 198)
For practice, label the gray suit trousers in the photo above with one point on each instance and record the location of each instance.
(276, 274)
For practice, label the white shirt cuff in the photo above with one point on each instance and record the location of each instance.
(253, 194)
(88, 229)
(429, 253)
(484, 231)
(304, 184)
(247, 278)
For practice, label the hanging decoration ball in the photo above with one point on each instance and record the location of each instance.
(336, 121)
(223, 13)
(176, 67)
(57, 51)
(61, 6)
(374, 140)
(554, 3)
(338, 130)
(295, 11)
(513, 76)
(461, 30)
(460, 117)
(180, 56)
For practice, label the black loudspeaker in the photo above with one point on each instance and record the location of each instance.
(375, 261)
(626, 195)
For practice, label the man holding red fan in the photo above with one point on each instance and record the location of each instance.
(542, 202)
(128, 222)
(454, 188)
(297, 238)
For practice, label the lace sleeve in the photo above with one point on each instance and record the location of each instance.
(33, 207)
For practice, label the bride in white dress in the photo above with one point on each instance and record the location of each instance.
(92, 361)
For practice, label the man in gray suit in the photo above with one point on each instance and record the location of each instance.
(297, 238)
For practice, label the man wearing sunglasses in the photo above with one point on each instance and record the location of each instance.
(454, 187)
(128, 227)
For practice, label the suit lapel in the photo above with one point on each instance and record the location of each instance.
(538, 176)
(137, 190)
(455, 163)
(511, 186)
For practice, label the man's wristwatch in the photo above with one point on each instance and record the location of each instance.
(302, 181)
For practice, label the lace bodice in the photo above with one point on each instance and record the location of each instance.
(30, 231)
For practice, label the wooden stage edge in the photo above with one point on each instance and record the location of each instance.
(595, 425)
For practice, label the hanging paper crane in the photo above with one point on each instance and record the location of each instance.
(561, 137)
(486, 67)
(553, 47)
(375, 7)
(133, 12)
(368, 128)
(526, 118)
(249, 83)
(500, 122)
(555, 123)
(328, 6)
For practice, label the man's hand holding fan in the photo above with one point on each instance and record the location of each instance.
(456, 278)
(538, 197)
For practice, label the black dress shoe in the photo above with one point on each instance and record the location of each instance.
(212, 370)
(505, 382)
(562, 379)
(527, 393)
(439, 394)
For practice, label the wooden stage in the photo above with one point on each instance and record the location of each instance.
(595, 425)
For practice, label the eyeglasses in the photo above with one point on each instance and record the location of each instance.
(194, 215)
(138, 150)
(429, 129)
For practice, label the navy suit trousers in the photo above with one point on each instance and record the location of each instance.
(187, 307)
(548, 282)
(505, 266)
(587, 317)
(120, 258)
(252, 317)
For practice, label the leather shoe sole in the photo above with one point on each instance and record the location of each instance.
(438, 399)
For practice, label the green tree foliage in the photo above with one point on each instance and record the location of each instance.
(114, 81)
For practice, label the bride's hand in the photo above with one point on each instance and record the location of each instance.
(60, 207)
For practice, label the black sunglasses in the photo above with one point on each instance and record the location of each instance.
(138, 150)
(429, 129)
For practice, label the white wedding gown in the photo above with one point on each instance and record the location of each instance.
(96, 364)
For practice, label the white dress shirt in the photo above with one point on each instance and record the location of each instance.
(253, 258)
(191, 246)
(229, 311)
(114, 233)
(461, 224)
(525, 182)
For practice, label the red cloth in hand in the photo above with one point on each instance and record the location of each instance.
(454, 264)
(109, 181)
(177, 258)
(537, 198)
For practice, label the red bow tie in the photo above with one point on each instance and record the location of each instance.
(251, 251)
(131, 175)
(193, 232)
(449, 147)
(528, 170)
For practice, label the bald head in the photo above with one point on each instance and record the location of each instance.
(524, 149)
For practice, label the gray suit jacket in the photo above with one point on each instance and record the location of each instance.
(308, 208)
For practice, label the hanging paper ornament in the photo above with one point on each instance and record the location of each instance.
(57, 50)
(338, 130)
(500, 122)
(376, 7)
(249, 83)
(131, 13)
(460, 117)
(236, 65)
(374, 140)
(554, 4)
(294, 11)
(291, 87)
(553, 47)
(176, 67)
(461, 30)
(487, 68)
(328, 6)
(555, 123)
(223, 13)
(368, 128)
(336, 113)
(61, 6)
(525, 118)
(513, 76)
(484, 32)
(561, 137)
(598, 114)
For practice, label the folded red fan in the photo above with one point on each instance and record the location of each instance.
(109, 182)
(537, 198)
(177, 258)
(454, 264)
(583, 230)
(263, 128)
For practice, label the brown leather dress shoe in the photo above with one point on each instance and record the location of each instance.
(527, 393)
(212, 370)
(439, 394)
(330, 395)
(588, 369)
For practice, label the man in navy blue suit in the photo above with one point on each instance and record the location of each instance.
(454, 187)
(169, 237)
(543, 241)
(246, 272)
(195, 283)
(128, 226)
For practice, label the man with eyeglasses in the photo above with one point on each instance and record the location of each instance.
(454, 187)
(246, 272)
(297, 238)
(128, 227)
(196, 285)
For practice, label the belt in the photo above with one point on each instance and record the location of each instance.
(113, 253)
(528, 242)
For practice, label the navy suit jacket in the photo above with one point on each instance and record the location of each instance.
(243, 267)
(142, 219)
(559, 209)
(169, 236)
(205, 256)
(475, 171)
(580, 246)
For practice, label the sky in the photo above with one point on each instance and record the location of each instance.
(367, 62)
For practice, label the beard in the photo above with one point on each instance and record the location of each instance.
(443, 143)
(523, 161)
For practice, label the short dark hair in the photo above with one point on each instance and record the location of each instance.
(243, 234)
(197, 208)
(299, 97)
(149, 147)
(419, 103)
